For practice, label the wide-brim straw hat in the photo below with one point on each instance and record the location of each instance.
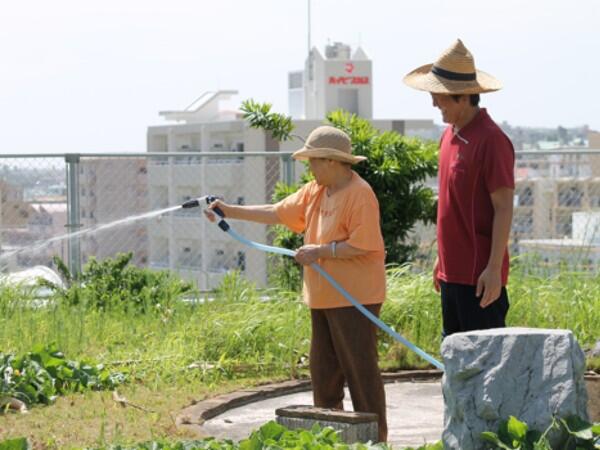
(454, 72)
(330, 143)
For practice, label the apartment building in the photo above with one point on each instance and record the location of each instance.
(557, 207)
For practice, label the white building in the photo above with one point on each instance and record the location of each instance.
(338, 80)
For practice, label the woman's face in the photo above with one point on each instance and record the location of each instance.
(322, 170)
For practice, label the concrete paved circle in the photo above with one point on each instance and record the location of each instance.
(415, 413)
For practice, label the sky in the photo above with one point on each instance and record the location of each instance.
(91, 76)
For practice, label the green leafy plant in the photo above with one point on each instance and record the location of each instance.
(573, 434)
(260, 116)
(269, 436)
(113, 283)
(15, 444)
(580, 434)
(42, 374)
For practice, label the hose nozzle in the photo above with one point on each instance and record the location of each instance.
(195, 202)
(191, 203)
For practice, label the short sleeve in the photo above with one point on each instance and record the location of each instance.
(363, 224)
(291, 211)
(499, 163)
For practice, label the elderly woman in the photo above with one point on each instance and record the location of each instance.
(339, 216)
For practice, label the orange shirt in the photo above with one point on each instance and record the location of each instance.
(350, 215)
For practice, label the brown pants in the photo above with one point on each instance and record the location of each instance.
(344, 349)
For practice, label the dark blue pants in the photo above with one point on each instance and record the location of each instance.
(461, 310)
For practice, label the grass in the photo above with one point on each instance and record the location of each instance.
(93, 419)
(173, 357)
(568, 300)
(188, 352)
(265, 338)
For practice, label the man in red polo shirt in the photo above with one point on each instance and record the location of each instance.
(476, 189)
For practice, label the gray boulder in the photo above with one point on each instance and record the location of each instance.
(528, 373)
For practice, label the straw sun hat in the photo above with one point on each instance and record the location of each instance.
(328, 142)
(454, 72)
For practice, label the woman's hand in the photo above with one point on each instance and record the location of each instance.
(210, 215)
(308, 254)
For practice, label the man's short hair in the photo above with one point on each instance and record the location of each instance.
(473, 98)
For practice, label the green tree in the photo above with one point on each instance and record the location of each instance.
(397, 168)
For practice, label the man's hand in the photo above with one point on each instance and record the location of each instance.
(308, 254)
(436, 269)
(489, 284)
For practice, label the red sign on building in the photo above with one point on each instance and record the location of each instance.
(348, 80)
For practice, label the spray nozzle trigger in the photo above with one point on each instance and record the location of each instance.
(217, 211)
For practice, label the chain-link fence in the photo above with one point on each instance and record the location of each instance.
(557, 209)
(556, 217)
(44, 198)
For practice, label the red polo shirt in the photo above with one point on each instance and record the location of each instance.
(473, 164)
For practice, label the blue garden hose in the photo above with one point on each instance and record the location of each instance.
(284, 251)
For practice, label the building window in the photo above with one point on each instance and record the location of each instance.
(295, 80)
(241, 261)
(348, 100)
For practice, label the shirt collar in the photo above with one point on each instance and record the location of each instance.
(481, 116)
(464, 133)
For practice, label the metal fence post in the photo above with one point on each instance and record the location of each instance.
(73, 224)
(288, 169)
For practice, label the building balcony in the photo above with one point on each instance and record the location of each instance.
(217, 172)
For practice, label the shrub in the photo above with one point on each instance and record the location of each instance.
(113, 283)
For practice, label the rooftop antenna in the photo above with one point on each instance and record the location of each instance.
(310, 58)
(309, 43)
